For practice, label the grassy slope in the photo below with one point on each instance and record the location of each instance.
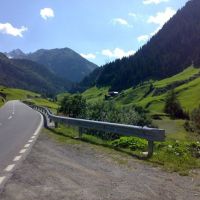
(18, 94)
(95, 94)
(61, 96)
(92, 95)
(188, 94)
(12, 93)
(1, 101)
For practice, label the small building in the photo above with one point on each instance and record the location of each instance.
(111, 94)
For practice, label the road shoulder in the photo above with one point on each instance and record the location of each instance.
(78, 170)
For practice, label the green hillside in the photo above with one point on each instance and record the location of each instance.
(95, 94)
(152, 95)
(7, 94)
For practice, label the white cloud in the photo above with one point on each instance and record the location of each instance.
(117, 53)
(147, 2)
(131, 14)
(120, 21)
(143, 38)
(9, 29)
(88, 56)
(47, 13)
(156, 31)
(162, 17)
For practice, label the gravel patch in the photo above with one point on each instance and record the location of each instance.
(82, 171)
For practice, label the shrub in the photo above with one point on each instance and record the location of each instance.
(73, 106)
(194, 148)
(108, 112)
(173, 106)
(130, 142)
(194, 124)
(195, 118)
(188, 126)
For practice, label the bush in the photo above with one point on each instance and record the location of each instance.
(195, 118)
(173, 106)
(131, 143)
(194, 148)
(188, 127)
(194, 124)
(73, 106)
(108, 112)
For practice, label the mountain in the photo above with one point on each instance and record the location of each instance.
(26, 74)
(175, 47)
(17, 53)
(64, 63)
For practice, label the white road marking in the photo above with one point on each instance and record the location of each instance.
(35, 133)
(9, 167)
(27, 145)
(2, 179)
(17, 158)
(13, 108)
(22, 151)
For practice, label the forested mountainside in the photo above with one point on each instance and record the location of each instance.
(175, 47)
(26, 74)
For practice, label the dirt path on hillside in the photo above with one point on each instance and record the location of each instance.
(83, 171)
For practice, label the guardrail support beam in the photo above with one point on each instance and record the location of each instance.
(150, 134)
(150, 148)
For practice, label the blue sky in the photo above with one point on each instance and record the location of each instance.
(100, 30)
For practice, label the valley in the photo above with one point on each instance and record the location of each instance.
(95, 106)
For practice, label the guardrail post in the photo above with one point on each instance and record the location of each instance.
(56, 124)
(80, 130)
(150, 148)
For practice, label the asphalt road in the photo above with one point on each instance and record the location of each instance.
(18, 122)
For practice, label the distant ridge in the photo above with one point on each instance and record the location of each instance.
(64, 63)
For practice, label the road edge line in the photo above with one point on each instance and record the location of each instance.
(7, 176)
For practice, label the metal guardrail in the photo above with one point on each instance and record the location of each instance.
(149, 134)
